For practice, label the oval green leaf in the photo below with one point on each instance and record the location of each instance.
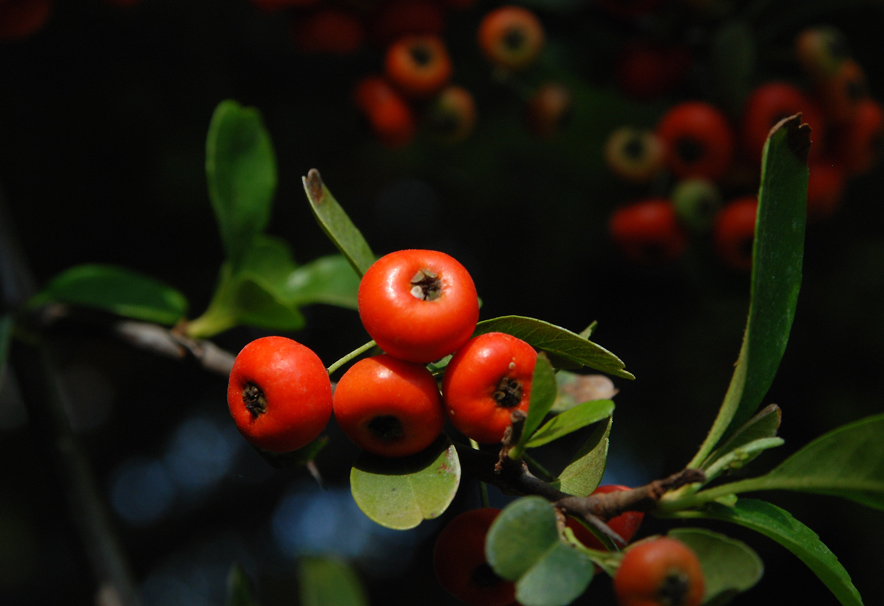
(543, 395)
(777, 254)
(584, 473)
(565, 348)
(336, 224)
(241, 175)
(330, 280)
(116, 290)
(729, 566)
(401, 493)
(523, 545)
(571, 420)
(779, 525)
(328, 580)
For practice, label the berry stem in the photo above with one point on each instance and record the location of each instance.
(350, 356)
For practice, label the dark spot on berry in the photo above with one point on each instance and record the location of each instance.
(386, 428)
(508, 393)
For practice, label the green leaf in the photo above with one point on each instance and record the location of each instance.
(571, 420)
(241, 175)
(325, 581)
(330, 280)
(764, 424)
(584, 473)
(729, 566)
(523, 545)
(847, 462)
(776, 277)
(780, 526)
(737, 458)
(543, 394)
(566, 349)
(116, 290)
(401, 493)
(336, 224)
(239, 588)
(575, 389)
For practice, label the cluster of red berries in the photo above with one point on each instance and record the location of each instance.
(419, 306)
(414, 88)
(656, 571)
(713, 157)
(20, 19)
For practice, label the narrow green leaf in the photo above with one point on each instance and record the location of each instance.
(776, 277)
(523, 546)
(327, 581)
(543, 394)
(241, 175)
(116, 290)
(780, 526)
(566, 348)
(764, 424)
(847, 462)
(571, 420)
(336, 224)
(584, 473)
(329, 280)
(401, 493)
(239, 588)
(729, 566)
(737, 458)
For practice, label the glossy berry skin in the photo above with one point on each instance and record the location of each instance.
(485, 382)
(698, 138)
(549, 109)
(648, 232)
(418, 65)
(418, 305)
(769, 103)
(511, 37)
(461, 566)
(451, 115)
(279, 394)
(389, 115)
(389, 407)
(734, 232)
(635, 155)
(659, 572)
(625, 525)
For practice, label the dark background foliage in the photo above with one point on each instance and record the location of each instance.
(103, 117)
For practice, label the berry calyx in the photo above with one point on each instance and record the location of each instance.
(511, 37)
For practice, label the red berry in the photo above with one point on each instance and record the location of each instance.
(279, 394)
(825, 189)
(625, 525)
(648, 232)
(857, 143)
(389, 407)
(461, 566)
(485, 382)
(333, 31)
(734, 232)
(841, 94)
(698, 138)
(511, 37)
(645, 70)
(389, 115)
(659, 572)
(418, 65)
(418, 305)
